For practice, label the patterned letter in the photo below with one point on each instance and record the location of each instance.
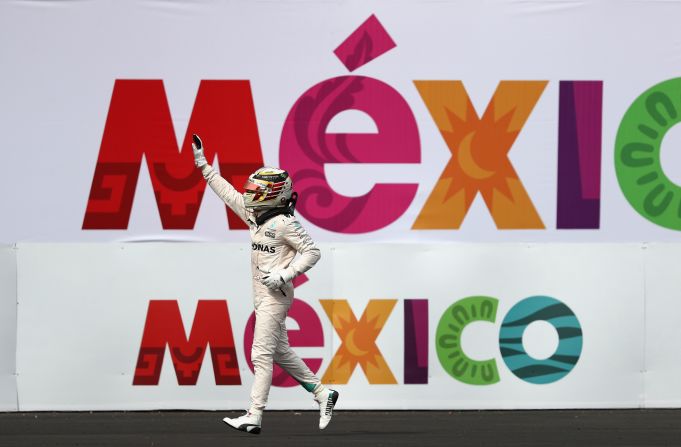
(557, 314)
(479, 149)
(164, 327)
(642, 179)
(415, 341)
(306, 146)
(450, 352)
(139, 124)
(579, 154)
(358, 341)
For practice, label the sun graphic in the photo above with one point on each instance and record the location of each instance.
(479, 155)
(358, 341)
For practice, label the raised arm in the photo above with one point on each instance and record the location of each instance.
(224, 190)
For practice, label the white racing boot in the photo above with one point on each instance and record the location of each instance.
(327, 400)
(249, 422)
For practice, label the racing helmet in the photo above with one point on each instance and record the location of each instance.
(268, 188)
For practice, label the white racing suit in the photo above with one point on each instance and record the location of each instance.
(274, 246)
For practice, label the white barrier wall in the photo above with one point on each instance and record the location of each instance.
(517, 168)
(663, 331)
(8, 328)
(596, 323)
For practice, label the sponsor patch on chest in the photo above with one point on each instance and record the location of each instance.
(270, 233)
(263, 247)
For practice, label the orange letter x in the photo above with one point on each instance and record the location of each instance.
(358, 341)
(479, 149)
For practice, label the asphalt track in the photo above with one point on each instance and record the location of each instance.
(348, 428)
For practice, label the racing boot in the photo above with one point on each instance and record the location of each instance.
(327, 400)
(249, 422)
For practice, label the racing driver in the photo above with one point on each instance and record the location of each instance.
(267, 206)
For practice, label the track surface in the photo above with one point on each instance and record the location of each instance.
(348, 428)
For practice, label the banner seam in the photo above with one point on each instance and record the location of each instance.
(15, 247)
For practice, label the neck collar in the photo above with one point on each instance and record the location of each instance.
(287, 210)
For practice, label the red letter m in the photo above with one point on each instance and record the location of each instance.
(139, 124)
(164, 327)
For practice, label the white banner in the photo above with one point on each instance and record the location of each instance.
(416, 142)
(457, 326)
(663, 331)
(8, 328)
(533, 124)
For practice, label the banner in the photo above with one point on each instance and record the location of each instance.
(8, 329)
(496, 192)
(663, 331)
(398, 121)
(459, 326)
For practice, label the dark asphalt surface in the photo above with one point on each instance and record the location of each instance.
(348, 428)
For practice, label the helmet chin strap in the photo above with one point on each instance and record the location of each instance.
(263, 216)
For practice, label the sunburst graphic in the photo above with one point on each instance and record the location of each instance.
(358, 341)
(479, 148)
(479, 162)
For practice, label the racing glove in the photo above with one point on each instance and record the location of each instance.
(197, 147)
(275, 280)
(272, 281)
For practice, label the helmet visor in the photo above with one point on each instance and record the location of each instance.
(256, 187)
